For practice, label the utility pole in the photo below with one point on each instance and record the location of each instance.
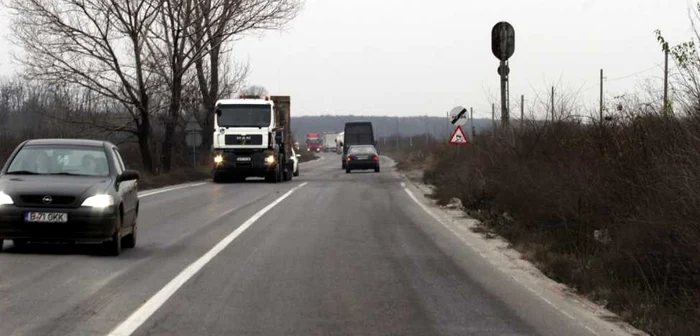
(426, 129)
(471, 116)
(552, 103)
(666, 105)
(522, 109)
(493, 115)
(601, 96)
(397, 133)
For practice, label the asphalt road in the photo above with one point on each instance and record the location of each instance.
(339, 255)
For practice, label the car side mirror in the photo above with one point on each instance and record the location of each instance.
(218, 112)
(128, 175)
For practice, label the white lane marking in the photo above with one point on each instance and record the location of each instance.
(137, 318)
(429, 212)
(150, 193)
(403, 184)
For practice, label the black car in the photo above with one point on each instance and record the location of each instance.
(68, 190)
(362, 157)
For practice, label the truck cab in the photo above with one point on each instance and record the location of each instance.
(251, 139)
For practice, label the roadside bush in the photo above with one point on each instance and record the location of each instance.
(613, 210)
(306, 155)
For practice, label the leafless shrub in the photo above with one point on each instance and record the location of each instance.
(634, 178)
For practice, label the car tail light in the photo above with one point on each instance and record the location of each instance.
(349, 158)
(375, 158)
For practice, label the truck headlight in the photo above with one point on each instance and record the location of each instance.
(218, 159)
(99, 201)
(270, 159)
(5, 199)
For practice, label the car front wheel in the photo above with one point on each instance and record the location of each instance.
(129, 241)
(113, 247)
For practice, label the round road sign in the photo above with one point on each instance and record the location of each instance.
(459, 116)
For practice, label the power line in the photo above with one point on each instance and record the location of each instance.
(658, 65)
(634, 74)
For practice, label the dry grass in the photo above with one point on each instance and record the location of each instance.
(175, 177)
(306, 155)
(612, 211)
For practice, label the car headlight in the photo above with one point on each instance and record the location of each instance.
(270, 159)
(218, 159)
(99, 201)
(5, 199)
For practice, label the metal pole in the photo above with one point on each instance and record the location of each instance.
(504, 107)
(397, 133)
(666, 105)
(601, 96)
(471, 116)
(194, 154)
(493, 115)
(552, 103)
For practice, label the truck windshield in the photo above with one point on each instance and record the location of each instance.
(244, 116)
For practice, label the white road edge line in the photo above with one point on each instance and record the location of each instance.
(550, 303)
(141, 315)
(151, 193)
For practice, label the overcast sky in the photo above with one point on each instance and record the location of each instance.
(408, 57)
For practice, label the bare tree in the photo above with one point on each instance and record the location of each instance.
(223, 21)
(174, 55)
(253, 91)
(94, 44)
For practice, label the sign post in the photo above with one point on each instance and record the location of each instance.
(193, 138)
(503, 47)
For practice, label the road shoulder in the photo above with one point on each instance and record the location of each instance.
(497, 252)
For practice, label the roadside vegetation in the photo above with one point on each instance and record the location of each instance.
(609, 207)
(611, 210)
(306, 155)
(173, 62)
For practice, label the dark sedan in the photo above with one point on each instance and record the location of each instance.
(362, 157)
(68, 190)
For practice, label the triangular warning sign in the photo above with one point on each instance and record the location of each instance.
(458, 137)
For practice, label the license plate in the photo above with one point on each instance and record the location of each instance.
(242, 159)
(362, 157)
(46, 217)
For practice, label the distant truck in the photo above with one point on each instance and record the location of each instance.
(357, 133)
(339, 140)
(252, 138)
(313, 142)
(328, 141)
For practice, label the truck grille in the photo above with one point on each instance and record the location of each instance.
(240, 139)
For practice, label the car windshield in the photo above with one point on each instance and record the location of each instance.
(60, 160)
(244, 116)
(362, 150)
